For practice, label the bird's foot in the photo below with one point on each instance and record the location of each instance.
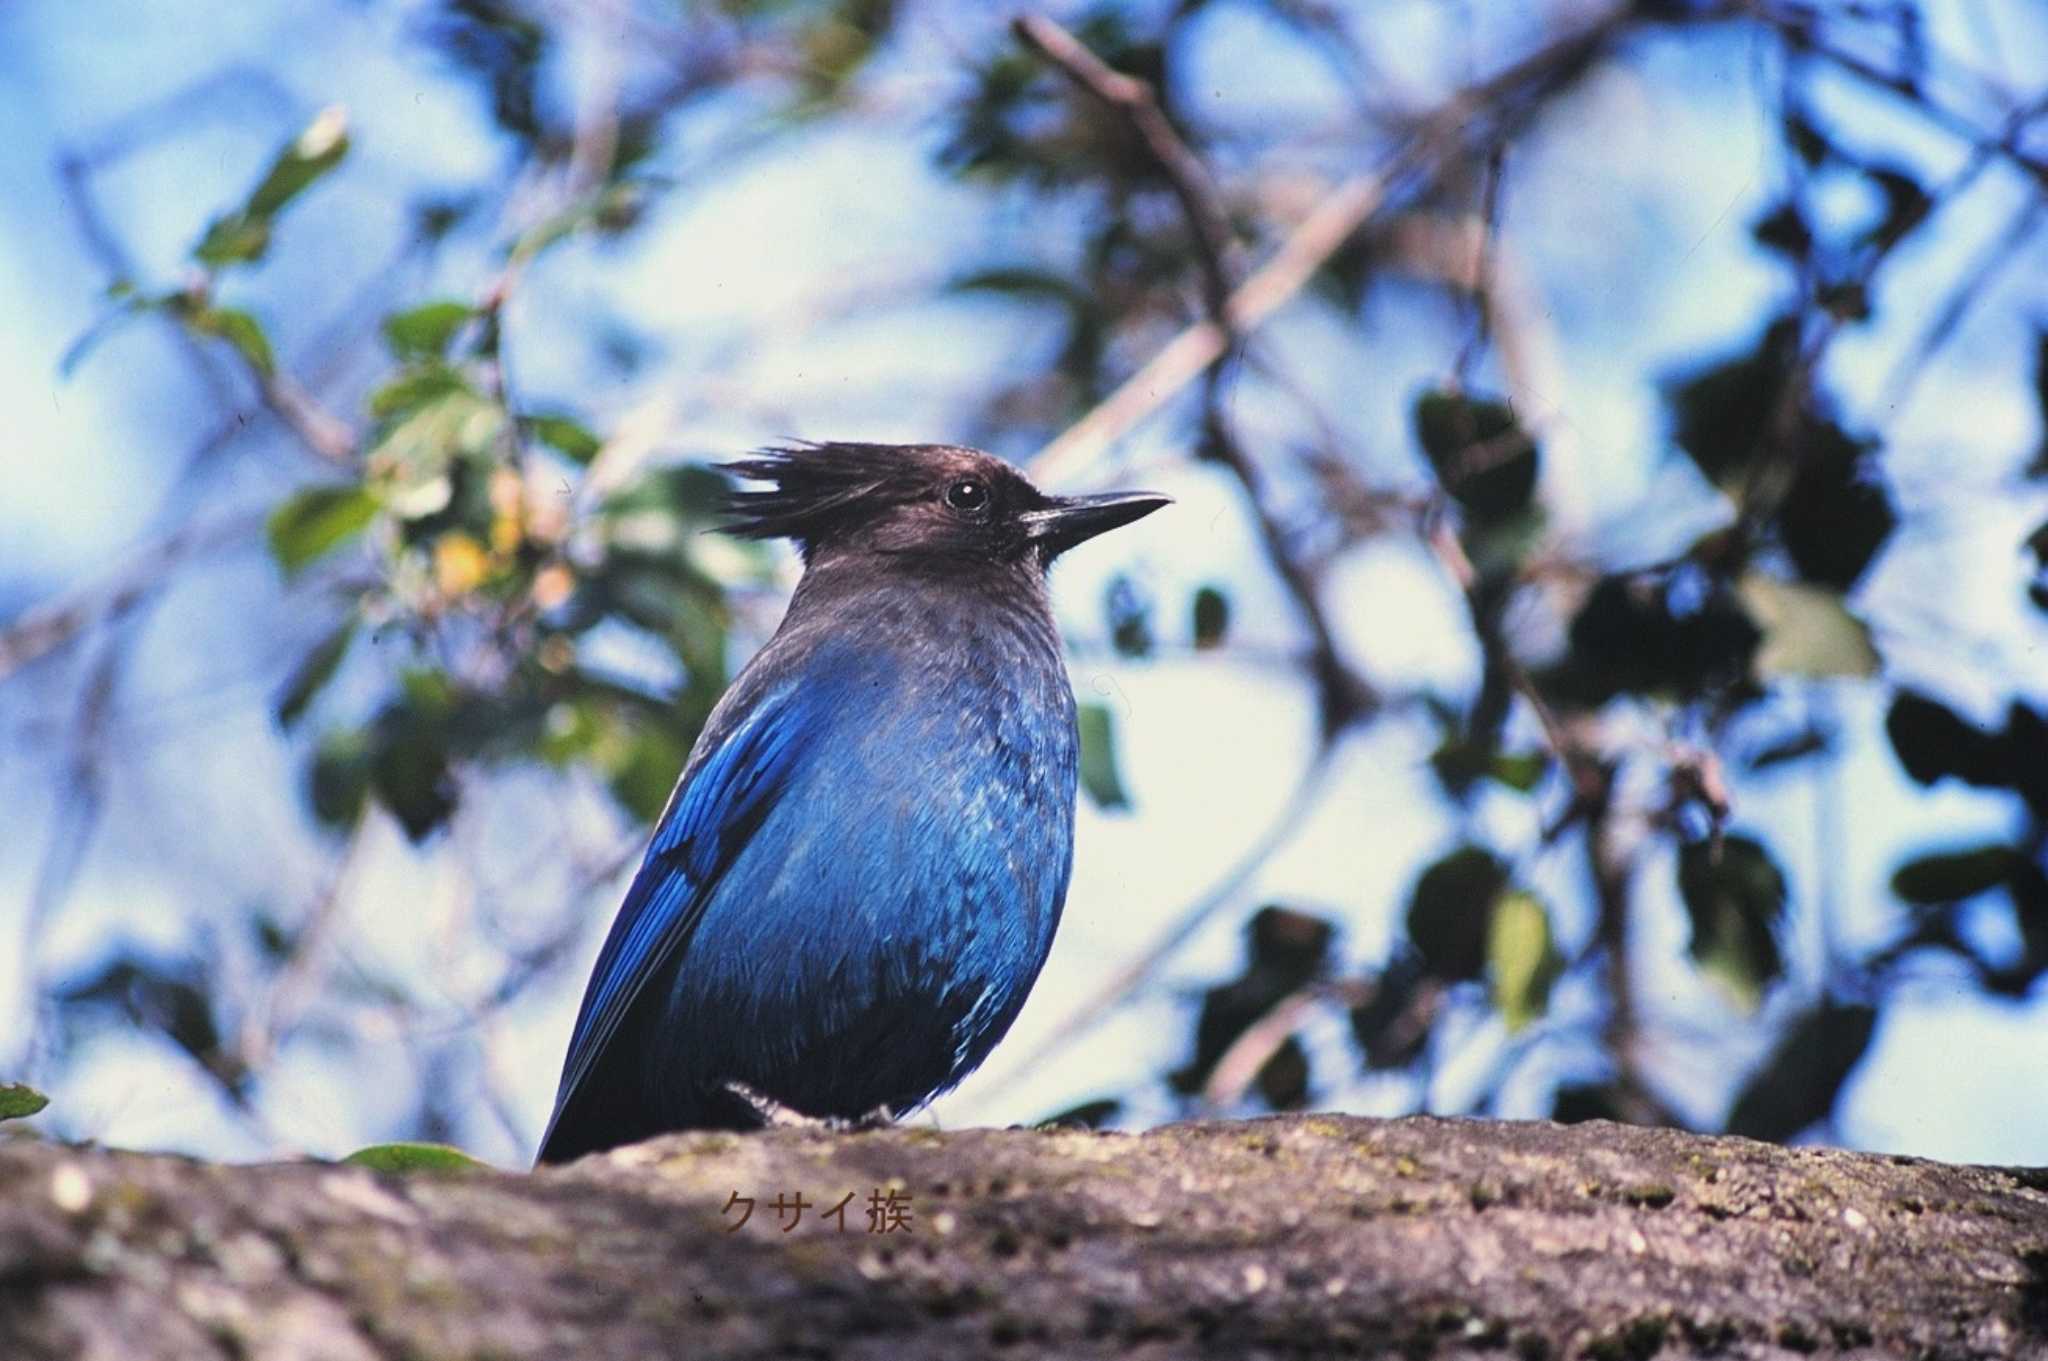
(881, 1117)
(775, 1115)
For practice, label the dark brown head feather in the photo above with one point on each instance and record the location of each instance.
(816, 486)
(920, 507)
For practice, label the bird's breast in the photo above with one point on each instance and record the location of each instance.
(901, 896)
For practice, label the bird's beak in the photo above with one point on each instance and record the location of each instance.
(1070, 520)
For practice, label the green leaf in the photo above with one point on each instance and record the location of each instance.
(1518, 772)
(565, 436)
(1522, 960)
(1631, 635)
(1798, 1084)
(1838, 512)
(609, 207)
(409, 749)
(423, 332)
(1722, 412)
(1906, 205)
(315, 522)
(414, 1157)
(429, 692)
(18, 1102)
(238, 329)
(1451, 910)
(1951, 876)
(1025, 282)
(1212, 616)
(414, 389)
(1933, 741)
(241, 237)
(1460, 761)
(1735, 895)
(313, 672)
(417, 461)
(2038, 467)
(312, 154)
(233, 240)
(1483, 457)
(1807, 630)
(1098, 757)
(644, 770)
(1807, 141)
(572, 730)
(338, 780)
(670, 492)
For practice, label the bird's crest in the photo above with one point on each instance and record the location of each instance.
(815, 485)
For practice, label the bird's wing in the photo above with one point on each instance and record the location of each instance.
(714, 813)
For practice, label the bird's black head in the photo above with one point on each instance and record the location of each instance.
(935, 503)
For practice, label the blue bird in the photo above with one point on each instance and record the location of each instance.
(857, 879)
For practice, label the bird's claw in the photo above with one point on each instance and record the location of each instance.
(775, 1115)
(881, 1117)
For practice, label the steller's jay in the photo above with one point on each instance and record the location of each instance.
(857, 879)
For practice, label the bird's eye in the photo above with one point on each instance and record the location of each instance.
(967, 494)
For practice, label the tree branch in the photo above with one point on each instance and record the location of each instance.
(1200, 202)
(1345, 696)
(1479, 111)
(1189, 354)
(1307, 1235)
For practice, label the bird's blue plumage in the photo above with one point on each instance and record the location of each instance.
(859, 876)
(706, 825)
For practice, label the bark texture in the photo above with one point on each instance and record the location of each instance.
(1287, 1237)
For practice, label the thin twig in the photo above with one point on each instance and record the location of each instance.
(1906, 376)
(1589, 775)
(325, 434)
(1187, 355)
(1486, 107)
(268, 1023)
(1255, 1046)
(1136, 101)
(1345, 695)
(1480, 266)
(1798, 27)
(42, 629)
(322, 432)
(1613, 865)
(1774, 471)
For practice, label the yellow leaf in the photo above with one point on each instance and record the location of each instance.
(1522, 959)
(505, 534)
(552, 585)
(460, 564)
(1808, 631)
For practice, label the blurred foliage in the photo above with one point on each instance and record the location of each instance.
(18, 1102)
(1734, 896)
(1100, 779)
(413, 1157)
(472, 555)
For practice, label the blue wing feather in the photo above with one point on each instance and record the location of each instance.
(717, 808)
